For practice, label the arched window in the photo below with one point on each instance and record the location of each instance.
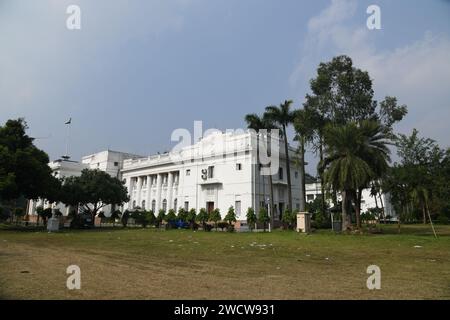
(164, 205)
(175, 202)
(153, 205)
(143, 205)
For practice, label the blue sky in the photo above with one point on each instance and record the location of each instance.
(137, 70)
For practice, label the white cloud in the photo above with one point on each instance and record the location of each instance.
(417, 73)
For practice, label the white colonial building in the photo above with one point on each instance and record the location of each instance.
(218, 171)
(313, 191)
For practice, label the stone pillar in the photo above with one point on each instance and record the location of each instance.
(158, 192)
(170, 191)
(130, 192)
(304, 222)
(148, 201)
(139, 191)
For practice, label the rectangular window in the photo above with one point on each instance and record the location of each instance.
(296, 174)
(310, 197)
(280, 173)
(116, 164)
(238, 166)
(237, 208)
(210, 172)
(186, 205)
(188, 172)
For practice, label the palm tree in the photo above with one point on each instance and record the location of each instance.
(258, 123)
(283, 116)
(356, 154)
(304, 128)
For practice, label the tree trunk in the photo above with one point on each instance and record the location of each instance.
(322, 187)
(344, 210)
(269, 153)
(382, 205)
(358, 209)
(288, 168)
(302, 175)
(424, 213)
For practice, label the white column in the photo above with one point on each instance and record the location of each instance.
(158, 192)
(169, 192)
(130, 192)
(139, 190)
(148, 202)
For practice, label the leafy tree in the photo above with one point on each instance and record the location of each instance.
(284, 116)
(125, 217)
(182, 215)
(191, 217)
(93, 190)
(263, 217)
(288, 219)
(355, 155)
(215, 217)
(160, 218)
(24, 169)
(203, 217)
(114, 215)
(19, 213)
(101, 215)
(343, 94)
(44, 214)
(251, 218)
(150, 217)
(143, 218)
(230, 216)
(171, 217)
(4, 215)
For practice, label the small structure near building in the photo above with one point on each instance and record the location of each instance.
(53, 223)
(304, 222)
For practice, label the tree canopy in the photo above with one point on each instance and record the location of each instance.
(93, 190)
(24, 169)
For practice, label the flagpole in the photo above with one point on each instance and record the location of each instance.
(68, 123)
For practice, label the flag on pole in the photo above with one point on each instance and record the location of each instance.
(69, 121)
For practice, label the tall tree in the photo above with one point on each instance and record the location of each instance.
(93, 190)
(304, 127)
(258, 123)
(284, 116)
(24, 169)
(356, 153)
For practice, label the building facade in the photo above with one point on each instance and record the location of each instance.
(219, 171)
(368, 201)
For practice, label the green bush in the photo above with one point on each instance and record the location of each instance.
(4, 215)
(191, 217)
(231, 216)
(223, 225)
(263, 217)
(251, 218)
(125, 217)
(171, 217)
(215, 216)
(288, 219)
(203, 217)
(160, 218)
(182, 215)
(114, 215)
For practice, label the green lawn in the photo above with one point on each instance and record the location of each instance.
(181, 264)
